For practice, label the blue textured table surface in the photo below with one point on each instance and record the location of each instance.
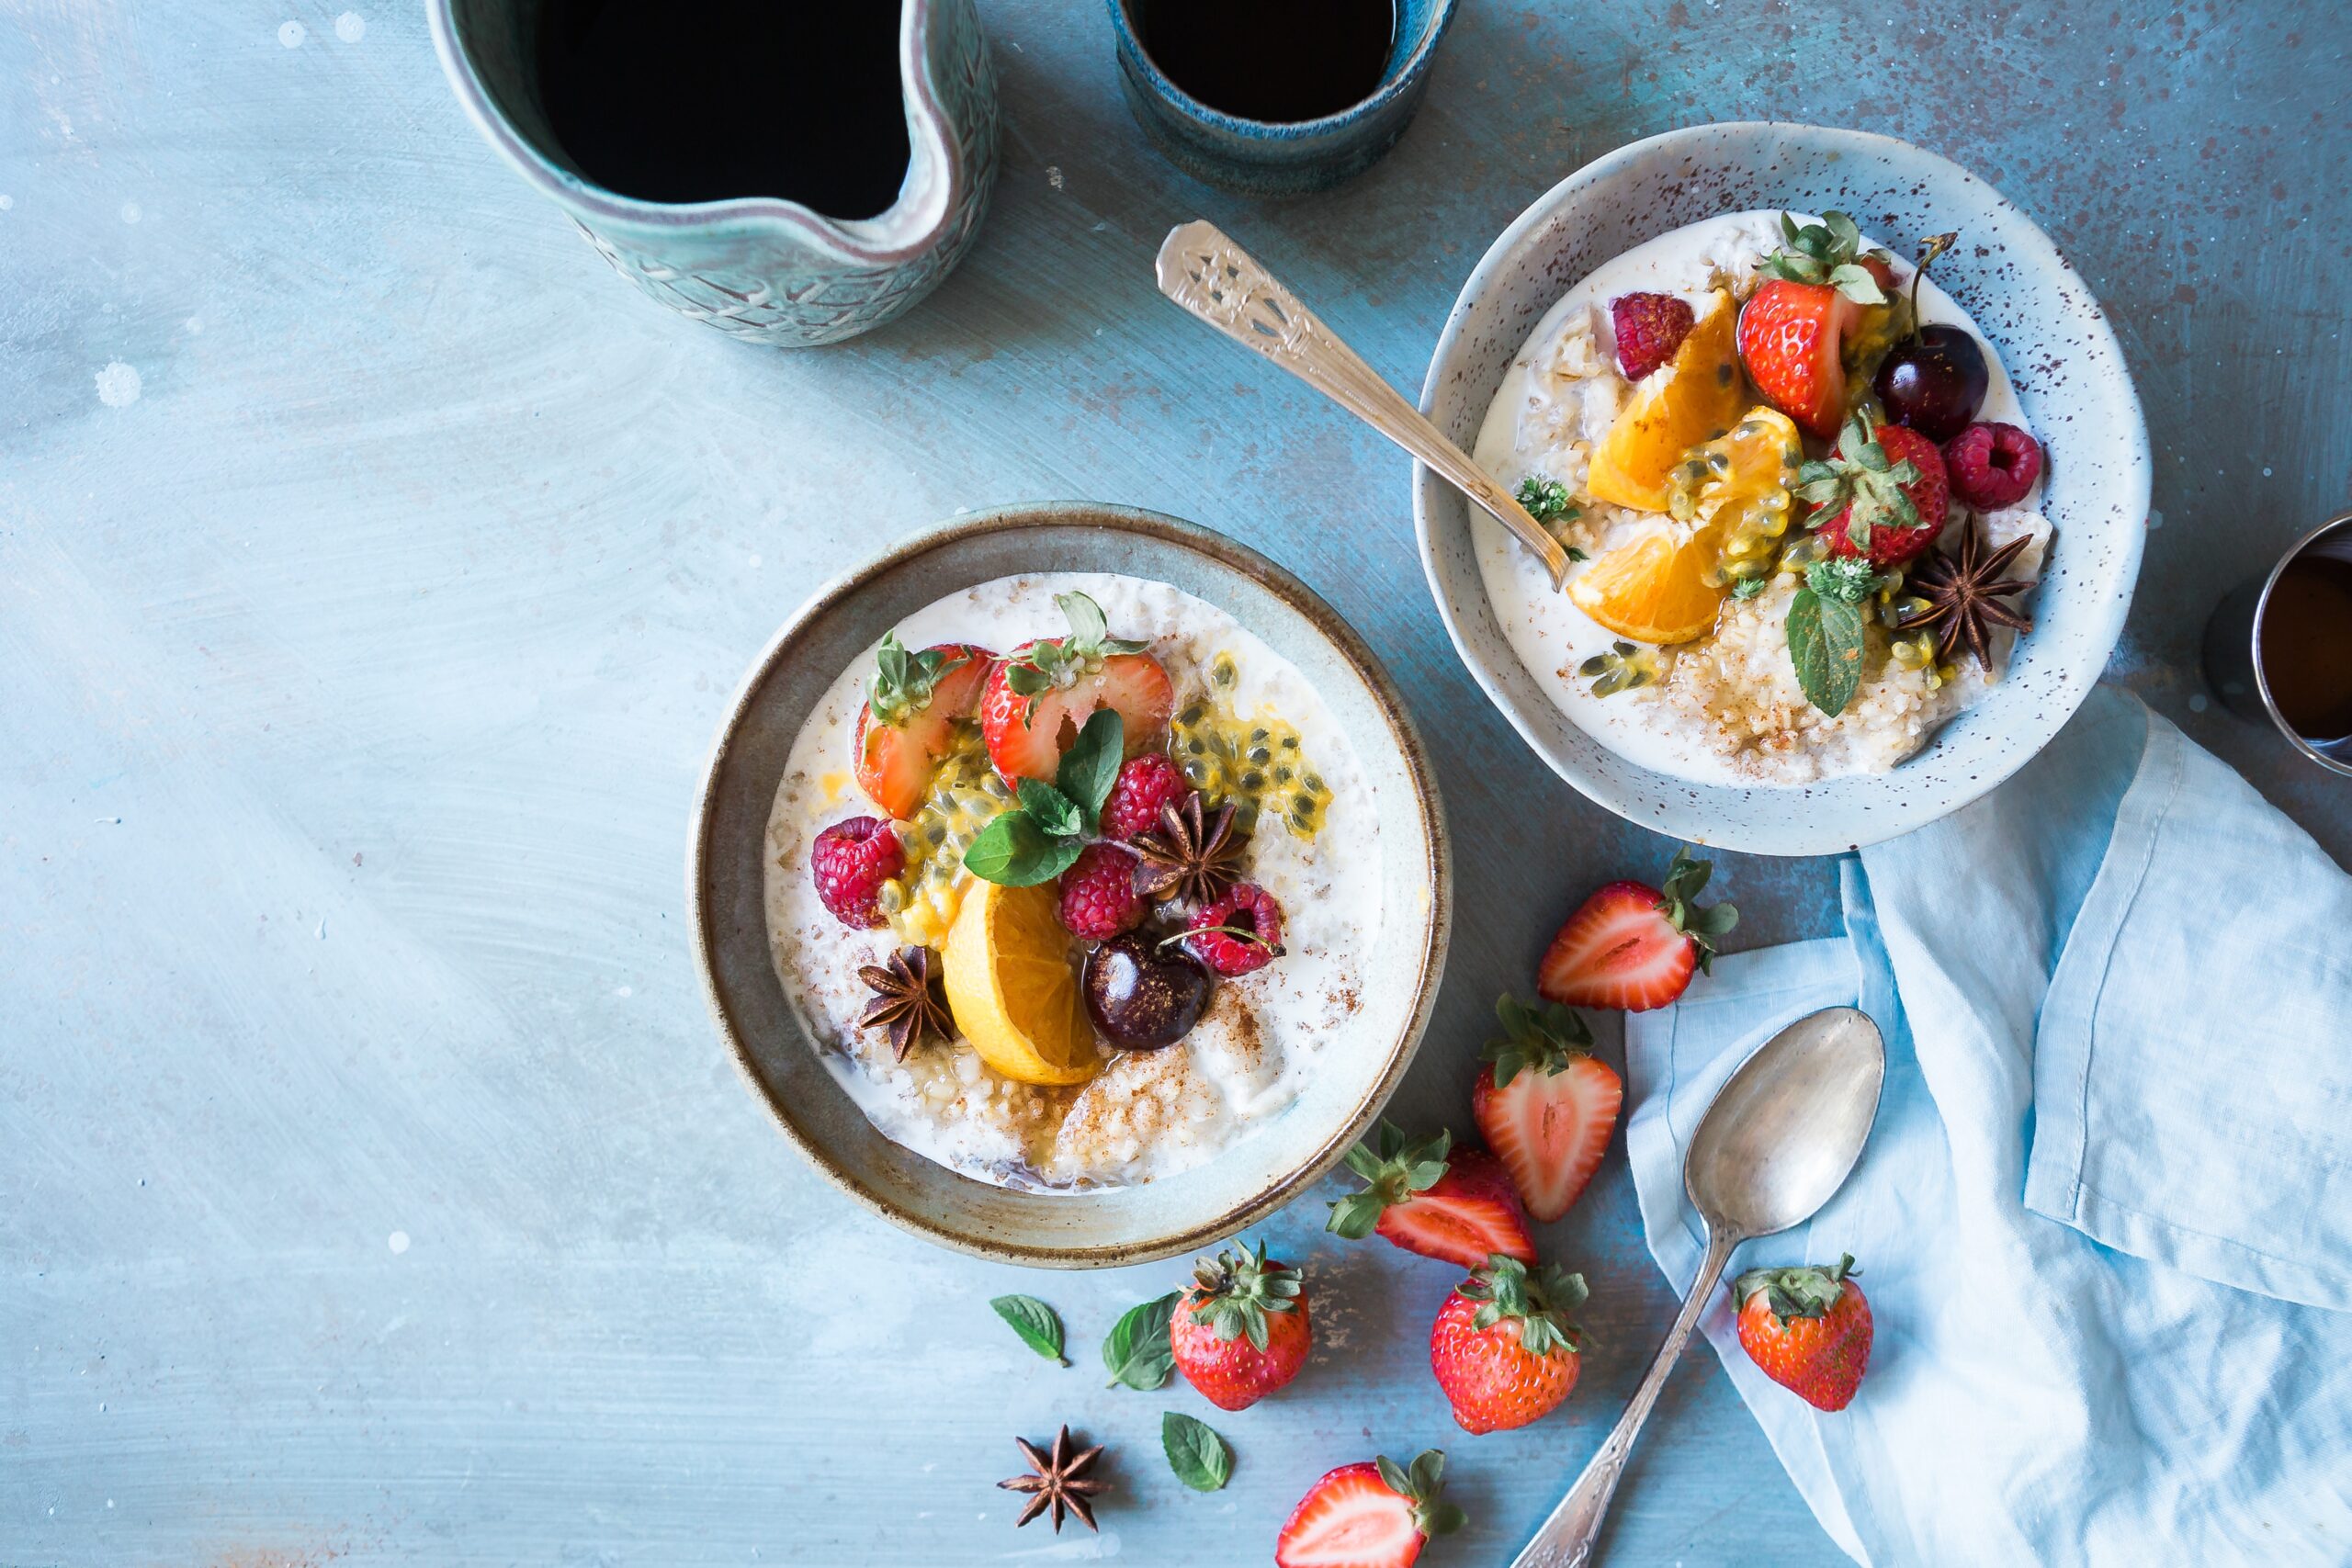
(374, 567)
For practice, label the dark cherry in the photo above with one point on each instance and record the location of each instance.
(1934, 381)
(1142, 996)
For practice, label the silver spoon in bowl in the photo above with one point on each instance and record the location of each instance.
(1214, 279)
(1777, 1143)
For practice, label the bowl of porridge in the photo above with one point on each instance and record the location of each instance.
(1071, 883)
(1851, 473)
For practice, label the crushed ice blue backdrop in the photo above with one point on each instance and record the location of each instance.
(374, 567)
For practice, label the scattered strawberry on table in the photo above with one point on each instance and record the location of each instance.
(1375, 1514)
(1633, 947)
(1456, 1204)
(1546, 1104)
(1808, 1328)
(1504, 1347)
(1241, 1330)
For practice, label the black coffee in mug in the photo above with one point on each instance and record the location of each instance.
(701, 100)
(1272, 61)
(2306, 645)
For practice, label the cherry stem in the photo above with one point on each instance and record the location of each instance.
(1930, 249)
(1245, 934)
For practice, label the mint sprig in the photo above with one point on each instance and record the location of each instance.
(1825, 627)
(1041, 837)
(1137, 1352)
(1039, 1326)
(1195, 1452)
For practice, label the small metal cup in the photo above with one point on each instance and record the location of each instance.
(2233, 648)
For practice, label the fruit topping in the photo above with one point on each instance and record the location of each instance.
(1504, 1347)
(1740, 484)
(912, 708)
(1934, 378)
(1369, 1515)
(1194, 855)
(1808, 1329)
(1010, 986)
(1257, 762)
(1695, 399)
(1040, 838)
(1658, 589)
(1621, 666)
(851, 861)
(1143, 993)
(965, 796)
(1059, 1481)
(1239, 932)
(1632, 947)
(1649, 327)
(1546, 499)
(1240, 1329)
(1144, 785)
(1430, 1198)
(1992, 466)
(906, 1000)
(1546, 1104)
(1882, 496)
(1038, 697)
(1791, 337)
(1098, 892)
(1962, 596)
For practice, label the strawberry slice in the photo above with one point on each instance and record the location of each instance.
(1433, 1198)
(1546, 1104)
(1792, 339)
(1369, 1515)
(1632, 947)
(910, 717)
(1038, 699)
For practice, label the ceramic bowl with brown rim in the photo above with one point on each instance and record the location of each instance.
(1269, 1163)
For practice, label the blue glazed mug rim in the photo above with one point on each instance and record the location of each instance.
(878, 241)
(1394, 85)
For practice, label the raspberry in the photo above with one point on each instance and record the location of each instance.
(1247, 908)
(851, 861)
(1099, 896)
(1144, 785)
(1650, 327)
(1992, 465)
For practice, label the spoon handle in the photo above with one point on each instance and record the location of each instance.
(1569, 1536)
(1214, 279)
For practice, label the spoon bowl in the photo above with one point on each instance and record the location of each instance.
(1783, 1133)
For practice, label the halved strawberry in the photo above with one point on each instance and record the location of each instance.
(1433, 1198)
(909, 719)
(1793, 329)
(1546, 1104)
(1044, 690)
(1632, 947)
(1369, 1515)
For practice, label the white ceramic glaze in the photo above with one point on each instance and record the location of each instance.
(2037, 311)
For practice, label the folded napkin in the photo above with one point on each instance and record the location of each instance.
(2105, 1218)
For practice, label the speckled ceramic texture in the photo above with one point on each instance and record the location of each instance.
(756, 267)
(1268, 158)
(2049, 333)
(1257, 1175)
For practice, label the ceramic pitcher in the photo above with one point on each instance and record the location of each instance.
(759, 267)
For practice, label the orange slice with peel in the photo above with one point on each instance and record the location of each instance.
(1693, 398)
(1656, 589)
(1011, 986)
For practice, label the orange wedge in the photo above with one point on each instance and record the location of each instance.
(1693, 398)
(1654, 589)
(1010, 986)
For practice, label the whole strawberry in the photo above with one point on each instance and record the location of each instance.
(851, 861)
(1144, 785)
(1634, 947)
(1099, 899)
(1808, 1328)
(1546, 1104)
(1503, 1347)
(1369, 1515)
(1881, 497)
(1240, 1329)
(1457, 1205)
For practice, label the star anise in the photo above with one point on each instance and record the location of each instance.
(1963, 592)
(1191, 855)
(1061, 1481)
(906, 1000)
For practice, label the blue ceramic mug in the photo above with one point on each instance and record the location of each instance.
(1277, 158)
(758, 266)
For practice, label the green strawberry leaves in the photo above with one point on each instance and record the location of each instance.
(1686, 877)
(1038, 839)
(1859, 479)
(1059, 661)
(1394, 1171)
(1039, 1326)
(1546, 1038)
(1829, 251)
(1539, 1302)
(1423, 1485)
(1198, 1456)
(1137, 1353)
(903, 681)
(1239, 1289)
(1809, 1291)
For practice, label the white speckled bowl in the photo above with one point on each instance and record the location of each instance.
(2052, 336)
(1259, 1172)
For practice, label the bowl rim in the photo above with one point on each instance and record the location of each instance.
(1665, 814)
(1436, 853)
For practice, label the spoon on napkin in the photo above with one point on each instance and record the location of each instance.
(1775, 1144)
(1214, 279)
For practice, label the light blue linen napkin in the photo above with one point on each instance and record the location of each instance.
(2105, 1218)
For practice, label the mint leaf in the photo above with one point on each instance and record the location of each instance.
(1091, 766)
(1013, 851)
(1039, 1327)
(1054, 813)
(1198, 1456)
(1137, 1352)
(1826, 646)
